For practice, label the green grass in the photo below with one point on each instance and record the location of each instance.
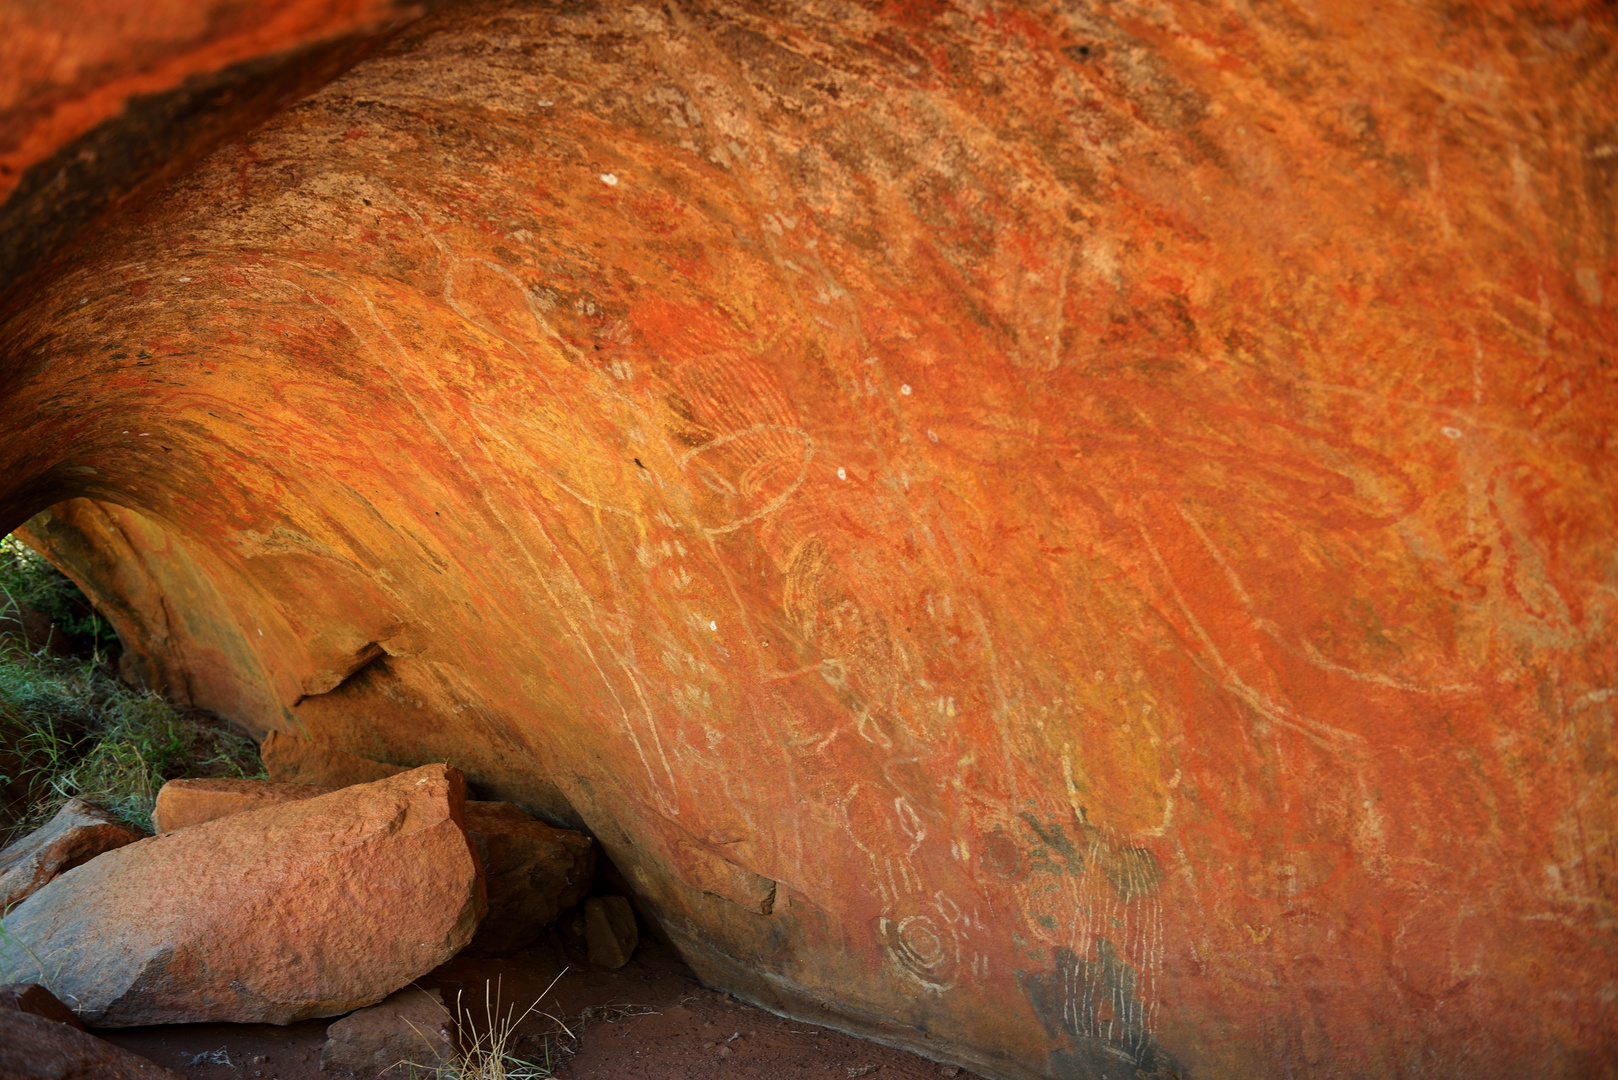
(27, 580)
(69, 728)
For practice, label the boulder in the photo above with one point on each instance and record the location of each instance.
(35, 1048)
(291, 760)
(533, 871)
(35, 999)
(31, 630)
(609, 931)
(191, 802)
(78, 833)
(303, 909)
(413, 1025)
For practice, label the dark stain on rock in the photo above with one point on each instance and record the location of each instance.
(1095, 1004)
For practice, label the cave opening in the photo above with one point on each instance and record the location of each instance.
(77, 719)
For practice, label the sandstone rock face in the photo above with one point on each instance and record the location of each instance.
(610, 932)
(413, 1025)
(291, 760)
(34, 999)
(181, 803)
(302, 909)
(98, 104)
(35, 1048)
(1108, 509)
(76, 834)
(533, 871)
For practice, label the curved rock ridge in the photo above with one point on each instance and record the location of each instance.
(1069, 538)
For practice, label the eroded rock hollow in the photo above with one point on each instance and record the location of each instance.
(1074, 538)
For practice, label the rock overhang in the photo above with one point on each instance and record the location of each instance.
(1066, 536)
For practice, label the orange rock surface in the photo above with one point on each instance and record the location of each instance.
(183, 803)
(1075, 538)
(69, 65)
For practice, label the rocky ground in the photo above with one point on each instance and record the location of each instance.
(650, 1020)
(294, 902)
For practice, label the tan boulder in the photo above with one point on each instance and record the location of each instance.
(78, 833)
(533, 870)
(191, 802)
(610, 932)
(413, 1025)
(33, 1047)
(303, 909)
(35, 999)
(293, 760)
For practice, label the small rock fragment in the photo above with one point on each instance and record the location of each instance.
(949, 1070)
(303, 909)
(291, 760)
(191, 802)
(33, 1047)
(609, 931)
(413, 1025)
(34, 998)
(78, 833)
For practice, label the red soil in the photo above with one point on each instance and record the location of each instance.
(650, 1020)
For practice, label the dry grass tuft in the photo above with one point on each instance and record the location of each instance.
(487, 1045)
(485, 1049)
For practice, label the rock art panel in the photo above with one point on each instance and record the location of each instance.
(1068, 534)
